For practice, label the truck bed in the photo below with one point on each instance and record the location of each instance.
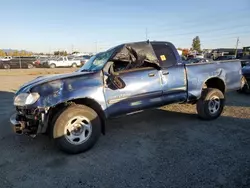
(197, 74)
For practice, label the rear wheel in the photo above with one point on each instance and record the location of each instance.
(211, 104)
(74, 65)
(76, 129)
(52, 66)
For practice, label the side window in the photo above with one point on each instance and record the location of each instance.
(165, 55)
(122, 66)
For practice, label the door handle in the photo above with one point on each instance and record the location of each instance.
(151, 74)
(165, 73)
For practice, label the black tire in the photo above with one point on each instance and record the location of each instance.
(74, 65)
(61, 122)
(52, 65)
(6, 66)
(205, 101)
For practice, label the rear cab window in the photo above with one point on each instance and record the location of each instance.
(165, 54)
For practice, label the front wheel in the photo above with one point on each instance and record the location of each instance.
(211, 104)
(30, 66)
(6, 66)
(76, 129)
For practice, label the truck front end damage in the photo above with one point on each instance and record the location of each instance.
(38, 101)
(30, 121)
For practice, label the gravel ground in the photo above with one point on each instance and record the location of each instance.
(167, 147)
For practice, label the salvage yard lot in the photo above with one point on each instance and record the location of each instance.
(168, 147)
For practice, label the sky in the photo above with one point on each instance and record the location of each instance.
(96, 25)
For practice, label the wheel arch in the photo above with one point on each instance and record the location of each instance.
(55, 111)
(215, 82)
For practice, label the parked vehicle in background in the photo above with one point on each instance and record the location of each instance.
(224, 52)
(125, 79)
(85, 58)
(64, 62)
(40, 61)
(246, 51)
(245, 82)
(18, 62)
(197, 60)
(199, 56)
(245, 61)
(226, 57)
(6, 58)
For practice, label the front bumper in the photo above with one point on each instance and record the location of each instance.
(17, 126)
(30, 122)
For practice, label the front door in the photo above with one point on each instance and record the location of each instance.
(142, 90)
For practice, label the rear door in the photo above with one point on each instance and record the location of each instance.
(173, 75)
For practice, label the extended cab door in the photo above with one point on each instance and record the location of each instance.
(173, 75)
(142, 89)
(66, 62)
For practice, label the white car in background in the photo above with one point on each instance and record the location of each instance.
(199, 56)
(6, 58)
(64, 62)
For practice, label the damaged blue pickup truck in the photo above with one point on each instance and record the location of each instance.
(72, 108)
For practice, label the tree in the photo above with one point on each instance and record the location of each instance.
(56, 53)
(196, 44)
(16, 53)
(2, 53)
(61, 53)
(65, 53)
(185, 52)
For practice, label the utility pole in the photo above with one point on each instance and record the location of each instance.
(146, 33)
(72, 48)
(236, 48)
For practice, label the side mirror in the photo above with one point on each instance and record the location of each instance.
(115, 82)
(118, 82)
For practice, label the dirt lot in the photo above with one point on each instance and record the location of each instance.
(34, 71)
(157, 148)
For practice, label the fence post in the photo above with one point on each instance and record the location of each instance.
(20, 64)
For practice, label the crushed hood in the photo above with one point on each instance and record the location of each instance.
(49, 78)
